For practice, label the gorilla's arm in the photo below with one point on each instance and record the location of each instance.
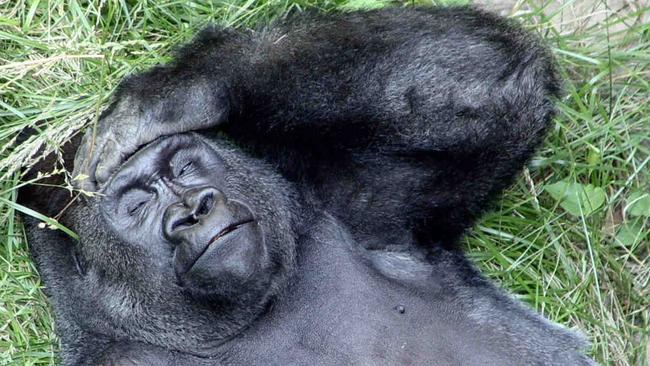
(419, 114)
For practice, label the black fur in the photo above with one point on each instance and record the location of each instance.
(385, 134)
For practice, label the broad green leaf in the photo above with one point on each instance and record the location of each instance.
(575, 198)
(630, 234)
(638, 204)
(594, 157)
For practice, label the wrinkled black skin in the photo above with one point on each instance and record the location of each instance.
(364, 144)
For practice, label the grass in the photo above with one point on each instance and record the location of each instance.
(571, 237)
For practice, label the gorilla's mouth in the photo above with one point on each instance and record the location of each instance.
(227, 230)
(221, 234)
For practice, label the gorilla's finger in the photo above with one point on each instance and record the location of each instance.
(83, 171)
(109, 159)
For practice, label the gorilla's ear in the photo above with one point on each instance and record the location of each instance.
(49, 195)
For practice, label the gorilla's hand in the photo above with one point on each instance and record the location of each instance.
(160, 102)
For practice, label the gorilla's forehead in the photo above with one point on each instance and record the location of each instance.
(157, 154)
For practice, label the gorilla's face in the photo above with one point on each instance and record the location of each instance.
(174, 196)
(192, 240)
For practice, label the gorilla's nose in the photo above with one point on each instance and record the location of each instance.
(196, 204)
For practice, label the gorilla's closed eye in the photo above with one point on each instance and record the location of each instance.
(186, 168)
(133, 209)
(134, 200)
(182, 162)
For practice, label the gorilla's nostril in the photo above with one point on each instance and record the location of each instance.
(196, 204)
(184, 222)
(205, 205)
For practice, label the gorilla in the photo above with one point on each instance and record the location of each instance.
(294, 195)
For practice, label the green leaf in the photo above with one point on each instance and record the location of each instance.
(575, 198)
(630, 234)
(594, 157)
(638, 204)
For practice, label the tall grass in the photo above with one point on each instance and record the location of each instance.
(571, 237)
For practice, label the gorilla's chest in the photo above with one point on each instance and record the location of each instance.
(340, 311)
